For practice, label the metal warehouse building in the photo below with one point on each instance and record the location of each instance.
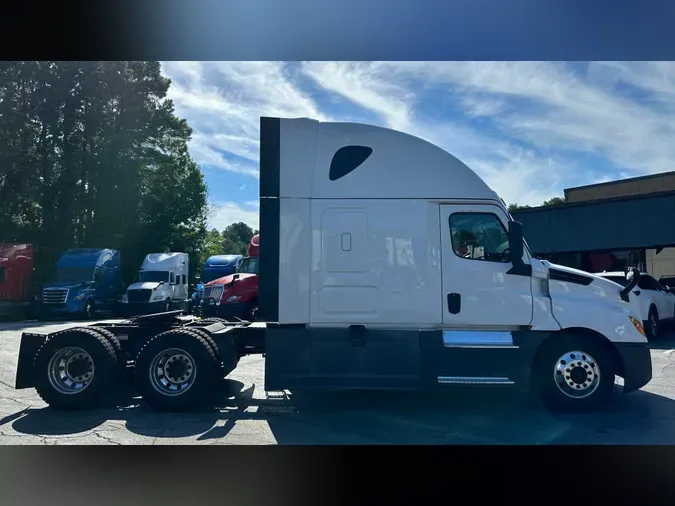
(608, 226)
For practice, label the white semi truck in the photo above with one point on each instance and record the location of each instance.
(385, 263)
(161, 285)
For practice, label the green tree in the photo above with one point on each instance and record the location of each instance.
(554, 201)
(236, 238)
(514, 207)
(92, 154)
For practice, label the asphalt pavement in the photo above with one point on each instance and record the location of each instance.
(247, 416)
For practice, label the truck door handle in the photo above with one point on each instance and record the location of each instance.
(454, 303)
(357, 334)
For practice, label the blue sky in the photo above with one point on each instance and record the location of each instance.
(529, 129)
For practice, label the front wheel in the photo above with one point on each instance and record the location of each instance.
(653, 326)
(575, 374)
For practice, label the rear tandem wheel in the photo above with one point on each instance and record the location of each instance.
(177, 370)
(75, 368)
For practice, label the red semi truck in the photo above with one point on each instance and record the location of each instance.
(16, 276)
(235, 296)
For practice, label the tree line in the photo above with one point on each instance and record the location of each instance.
(234, 240)
(92, 154)
(551, 202)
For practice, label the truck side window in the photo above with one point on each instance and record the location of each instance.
(172, 278)
(479, 236)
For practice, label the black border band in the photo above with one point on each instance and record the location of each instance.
(270, 164)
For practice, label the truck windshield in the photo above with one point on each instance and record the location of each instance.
(248, 266)
(211, 274)
(156, 276)
(75, 274)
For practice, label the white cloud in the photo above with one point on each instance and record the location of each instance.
(223, 102)
(208, 154)
(225, 213)
(530, 129)
(364, 84)
(482, 106)
(559, 110)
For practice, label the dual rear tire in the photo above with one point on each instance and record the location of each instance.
(77, 368)
(178, 370)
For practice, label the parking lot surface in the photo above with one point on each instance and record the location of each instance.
(476, 416)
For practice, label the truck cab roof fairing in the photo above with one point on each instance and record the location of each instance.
(300, 158)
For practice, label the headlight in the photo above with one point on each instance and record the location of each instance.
(159, 296)
(233, 298)
(638, 325)
(80, 296)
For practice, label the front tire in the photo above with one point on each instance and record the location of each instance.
(653, 325)
(176, 371)
(74, 369)
(575, 374)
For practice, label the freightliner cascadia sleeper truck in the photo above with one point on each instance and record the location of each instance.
(385, 263)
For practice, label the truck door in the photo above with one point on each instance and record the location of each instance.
(479, 291)
(484, 304)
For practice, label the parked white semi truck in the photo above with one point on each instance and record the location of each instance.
(161, 285)
(385, 263)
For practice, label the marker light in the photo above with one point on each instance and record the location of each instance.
(638, 326)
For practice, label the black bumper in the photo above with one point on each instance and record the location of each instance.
(13, 308)
(637, 365)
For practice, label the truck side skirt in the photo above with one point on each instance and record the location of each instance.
(300, 357)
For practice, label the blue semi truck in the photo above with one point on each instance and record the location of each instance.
(87, 280)
(215, 267)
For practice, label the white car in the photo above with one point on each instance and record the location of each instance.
(657, 303)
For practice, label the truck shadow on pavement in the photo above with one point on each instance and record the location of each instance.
(464, 416)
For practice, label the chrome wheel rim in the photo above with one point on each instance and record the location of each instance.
(654, 325)
(70, 370)
(172, 372)
(576, 374)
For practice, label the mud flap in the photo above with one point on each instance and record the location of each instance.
(30, 344)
